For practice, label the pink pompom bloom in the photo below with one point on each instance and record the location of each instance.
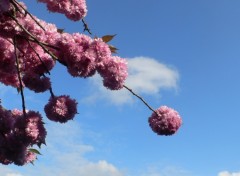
(24, 133)
(167, 122)
(36, 83)
(29, 129)
(61, 109)
(101, 49)
(8, 27)
(34, 128)
(74, 9)
(114, 72)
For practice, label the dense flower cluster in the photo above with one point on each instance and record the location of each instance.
(74, 9)
(114, 72)
(82, 55)
(61, 109)
(18, 134)
(165, 121)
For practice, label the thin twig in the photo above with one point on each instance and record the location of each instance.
(42, 44)
(44, 65)
(25, 10)
(19, 77)
(51, 92)
(50, 89)
(34, 38)
(86, 28)
(19, 49)
(139, 97)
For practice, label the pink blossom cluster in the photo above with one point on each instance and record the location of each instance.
(165, 121)
(73, 9)
(29, 49)
(82, 55)
(61, 109)
(18, 133)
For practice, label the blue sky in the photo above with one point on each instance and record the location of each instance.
(190, 50)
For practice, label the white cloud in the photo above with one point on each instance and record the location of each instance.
(13, 174)
(146, 76)
(226, 173)
(166, 171)
(6, 171)
(101, 168)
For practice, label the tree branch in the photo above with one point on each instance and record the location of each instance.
(19, 76)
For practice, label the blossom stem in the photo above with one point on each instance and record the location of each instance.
(34, 38)
(45, 67)
(139, 97)
(86, 28)
(19, 77)
(26, 12)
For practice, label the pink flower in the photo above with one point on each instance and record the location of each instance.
(29, 129)
(22, 133)
(74, 9)
(61, 109)
(34, 128)
(167, 122)
(114, 72)
(36, 83)
(30, 157)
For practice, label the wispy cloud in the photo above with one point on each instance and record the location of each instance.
(166, 171)
(226, 173)
(13, 174)
(146, 76)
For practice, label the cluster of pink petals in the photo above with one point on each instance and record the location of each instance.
(82, 55)
(166, 122)
(36, 83)
(8, 72)
(73, 9)
(32, 57)
(18, 134)
(61, 108)
(114, 72)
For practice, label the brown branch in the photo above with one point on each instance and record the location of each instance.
(19, 77)
(50, 89)
(34, 38)
(26, 12)
(51, 92)
(43, 43)
(139, 97)
(44, 65)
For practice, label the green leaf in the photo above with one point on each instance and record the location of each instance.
(34, 151)
(108, 38)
